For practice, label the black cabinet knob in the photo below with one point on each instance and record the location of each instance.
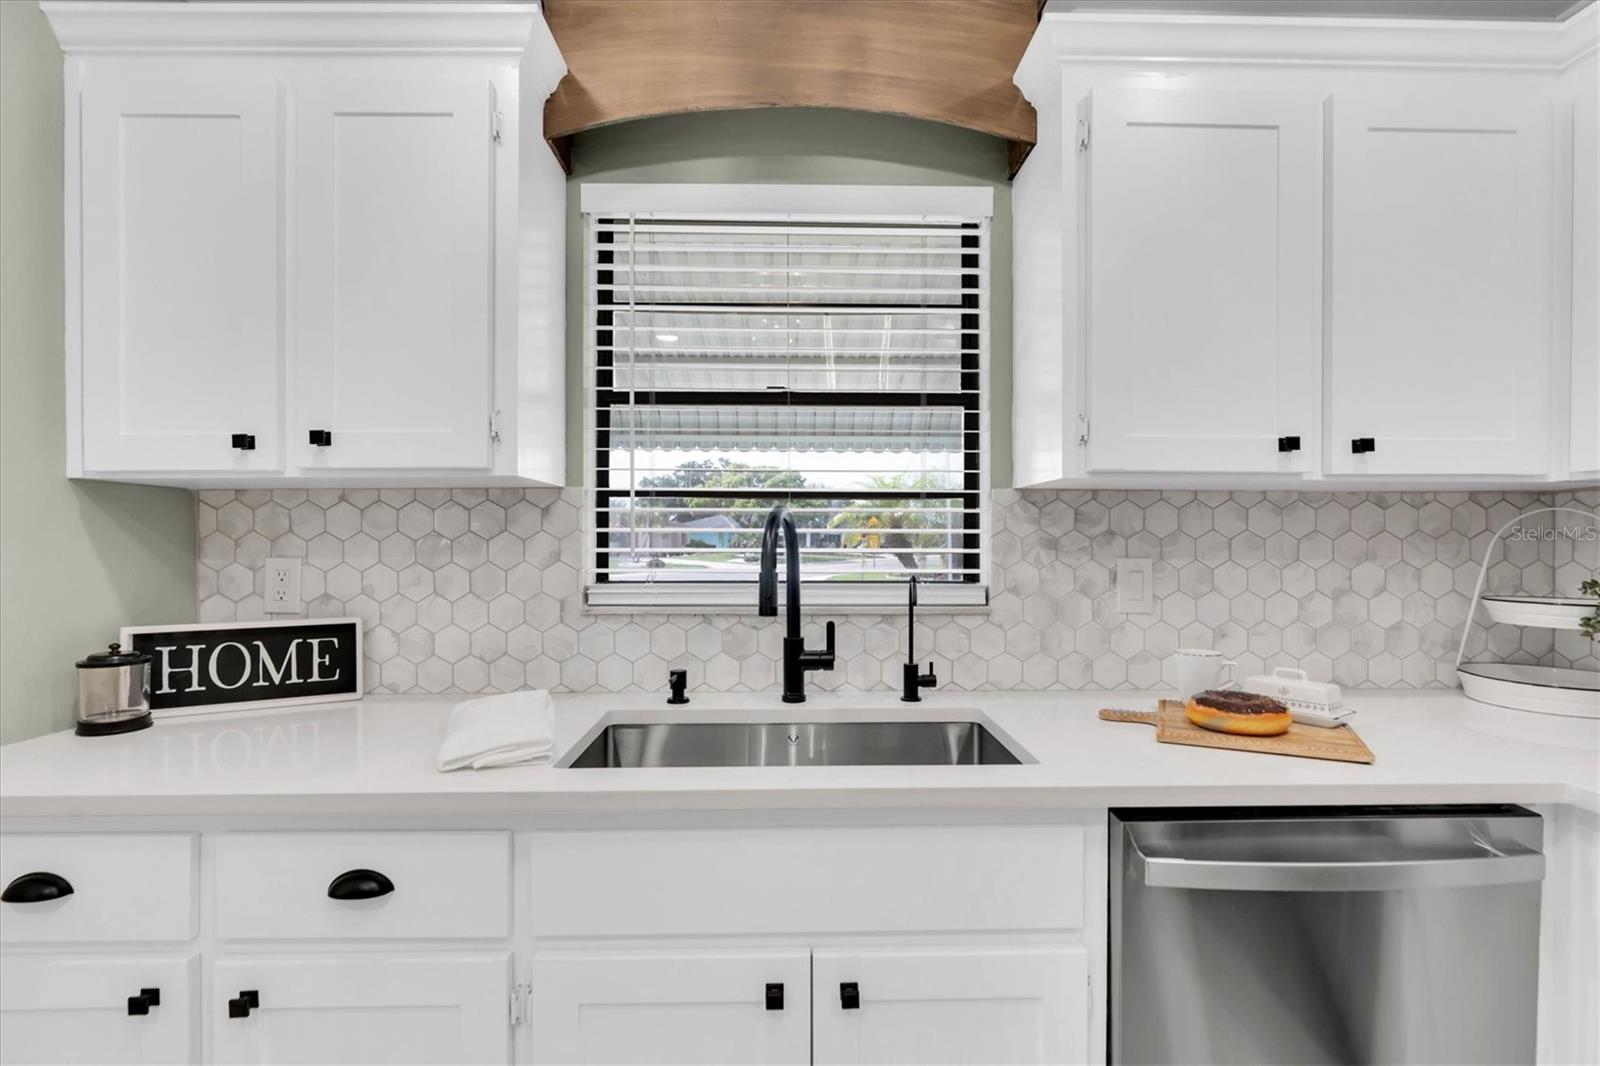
(1288, 444)
(242, 1004)
(140, 1005)
(775, 996)
(849, 995)
(322, 438)
(37, 887)
(245, 442)
(359, 884)
(1363, 445)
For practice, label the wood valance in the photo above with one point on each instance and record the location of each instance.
(947, 61)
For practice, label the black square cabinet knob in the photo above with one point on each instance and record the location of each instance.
(1363, 445)
(322, 438)
(775, 996)
(245, 442)
(1288, 444)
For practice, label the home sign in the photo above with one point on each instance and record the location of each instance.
(235, 665)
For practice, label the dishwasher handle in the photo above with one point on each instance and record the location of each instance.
(1510, 867)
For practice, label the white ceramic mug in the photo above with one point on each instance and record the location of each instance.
(1200, 669)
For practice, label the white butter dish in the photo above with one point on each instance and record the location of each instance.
(1310, 702)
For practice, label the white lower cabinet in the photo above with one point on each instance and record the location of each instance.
(969, 1005)
(130, 1008)
(361, 1008)
(696, 1006)
(880, 1005)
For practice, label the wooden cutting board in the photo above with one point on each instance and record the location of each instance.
(1306, 741)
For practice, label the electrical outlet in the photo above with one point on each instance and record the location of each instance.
(283, 586)
(1134, 592)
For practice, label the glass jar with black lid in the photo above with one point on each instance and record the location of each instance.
(113, 692)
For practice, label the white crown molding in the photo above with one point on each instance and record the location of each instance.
(1089, 37)
(263, 26)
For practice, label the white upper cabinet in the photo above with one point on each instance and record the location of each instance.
(1438, 276)
(393, 275)
(178, 290)
(305, 244)
(1374, 241)
(1203, 221)
(1580, 95)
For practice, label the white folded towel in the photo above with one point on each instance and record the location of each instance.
(517, 727)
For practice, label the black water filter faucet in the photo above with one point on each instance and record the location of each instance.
(913, 680)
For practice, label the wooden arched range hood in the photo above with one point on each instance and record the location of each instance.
(948, 61)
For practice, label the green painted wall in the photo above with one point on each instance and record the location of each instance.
(796, 146)
(77, 559)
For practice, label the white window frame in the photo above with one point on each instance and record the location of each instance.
(795, 203)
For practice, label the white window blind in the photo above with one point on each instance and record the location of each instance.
(832, 364)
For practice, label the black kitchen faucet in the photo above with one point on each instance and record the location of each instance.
(796, 659)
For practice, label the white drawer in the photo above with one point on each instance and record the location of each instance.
(125, 886)
(276, 886)
(899, 879)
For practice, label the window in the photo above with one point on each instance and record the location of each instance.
(832, 361)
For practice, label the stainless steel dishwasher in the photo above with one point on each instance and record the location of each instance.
(1321, 935)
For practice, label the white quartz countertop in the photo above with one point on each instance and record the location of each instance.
(376, 757)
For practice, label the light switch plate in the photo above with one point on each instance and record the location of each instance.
(282, 591)
(1134, 592)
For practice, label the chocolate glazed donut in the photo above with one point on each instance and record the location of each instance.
(1239, 702)
(1228, 711)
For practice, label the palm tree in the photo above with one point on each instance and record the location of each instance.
(892, 525)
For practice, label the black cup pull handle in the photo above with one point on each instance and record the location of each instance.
(775, 996)
(140, 1005)
(849, 995)
(242, 1004)
(40, 886)
(360, 884)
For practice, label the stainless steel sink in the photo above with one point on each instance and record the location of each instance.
(794, 744)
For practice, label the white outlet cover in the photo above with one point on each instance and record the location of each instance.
(1135, 594)
(281, 588)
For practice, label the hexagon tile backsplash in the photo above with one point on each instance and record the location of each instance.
(473, 590)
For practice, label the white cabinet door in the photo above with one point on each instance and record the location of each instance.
(693, 1007)
(951, 1006)
(1584, 460)
(362, 1008)
(1202, 273)
(393, 209)
(1438, 260)
(81, 1008)
(180, 306)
